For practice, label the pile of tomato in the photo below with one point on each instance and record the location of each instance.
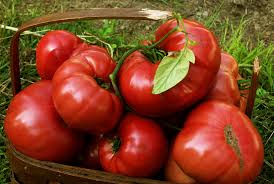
(194, 130)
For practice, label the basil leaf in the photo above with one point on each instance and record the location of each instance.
(172, 70)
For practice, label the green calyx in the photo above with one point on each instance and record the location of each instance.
(116, 143)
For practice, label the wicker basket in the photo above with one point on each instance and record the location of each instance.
(30, 171)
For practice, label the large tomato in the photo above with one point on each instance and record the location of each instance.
(52, 50)
(137, 73)
(140, 149)
(218, 144)
(226, 85)
(34, 127)
(79, 99)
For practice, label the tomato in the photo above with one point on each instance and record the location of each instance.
(226, 85)
(243, 100)
(218, 144)
(79, 99)
(137, 73)
(52, 50)
(174, 173)
(140, 148)
(83, 47)
(229, 64)
(243, 96)
(90, 157)
(34, 128)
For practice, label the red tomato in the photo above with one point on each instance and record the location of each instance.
(140, 151)
(90, 157)
(243, 100)
(229, 64)
(83, 47)
(81, 102)
(174, 173)
(218, 144)
(226, 86)
(137, 73)
(52, 50)
(34, 127)
(243, 96)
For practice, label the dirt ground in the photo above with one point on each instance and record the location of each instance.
(260, 13)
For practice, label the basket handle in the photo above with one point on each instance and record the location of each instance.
(96, 13)
(101, 13)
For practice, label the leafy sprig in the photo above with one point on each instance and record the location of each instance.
(172, 70)
(113, 75)
(175, 66)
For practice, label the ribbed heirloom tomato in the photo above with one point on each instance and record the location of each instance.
(226, 86)
(137, 73)
(52, 50)
(77, 95)
(140, 148)
(218, 145)
(34, 128)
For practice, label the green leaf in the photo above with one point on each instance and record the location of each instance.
(172, 70)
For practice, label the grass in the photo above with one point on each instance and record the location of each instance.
(232, 37)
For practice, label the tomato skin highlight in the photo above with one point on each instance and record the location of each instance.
(34, 128)
(223, 144)
(137, 73)
(142, 151)
(52, 50)
(81, 102)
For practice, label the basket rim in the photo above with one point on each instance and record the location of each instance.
(75, 171)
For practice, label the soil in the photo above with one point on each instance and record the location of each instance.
(260, 13)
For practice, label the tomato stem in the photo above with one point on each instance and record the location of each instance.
(169, 125)
(113, 75)
(100, 82)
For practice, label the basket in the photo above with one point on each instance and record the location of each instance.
(26, 170)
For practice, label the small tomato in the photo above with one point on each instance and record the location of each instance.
(140, 148)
